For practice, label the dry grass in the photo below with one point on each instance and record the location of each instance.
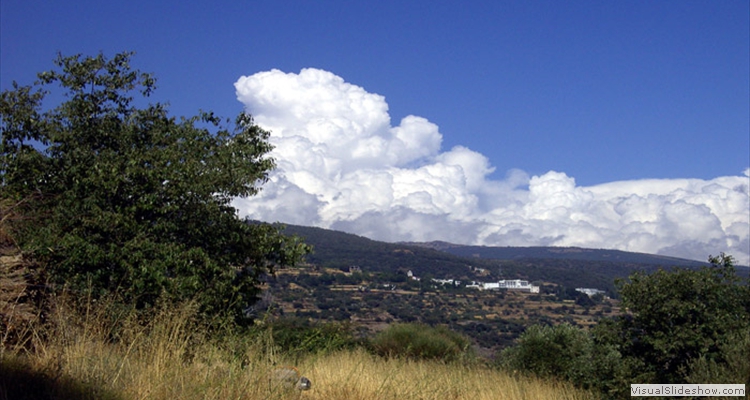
(73, 358)
(361, 376)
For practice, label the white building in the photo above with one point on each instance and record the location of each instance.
(411, 276)
(589, 291)
(513, 284)
(447, 282)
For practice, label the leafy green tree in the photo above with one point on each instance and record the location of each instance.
(131, 200)
(678, 317)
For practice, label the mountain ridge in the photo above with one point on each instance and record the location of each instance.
(511, 252)
(569, 267)
(554, 252)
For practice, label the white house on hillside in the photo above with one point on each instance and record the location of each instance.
(512, 284)
(589, 291)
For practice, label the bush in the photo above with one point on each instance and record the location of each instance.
(561, 351)
(297, 336)
(421, 341)
(732, 365)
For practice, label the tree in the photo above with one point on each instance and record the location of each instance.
(680, 326)
(678, 317)
(133, 201)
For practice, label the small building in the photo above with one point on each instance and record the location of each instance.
(513, 284)
(447, 282)
(518, 284)
(411, 276)
(475, 285)
(590, 291)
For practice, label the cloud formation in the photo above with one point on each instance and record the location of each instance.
(342, 164)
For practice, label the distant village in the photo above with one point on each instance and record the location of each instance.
(504, 284)
(513, 284)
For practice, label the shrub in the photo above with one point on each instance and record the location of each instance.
(296, 336)
(732, 365)
(421, 341)
(561, 351)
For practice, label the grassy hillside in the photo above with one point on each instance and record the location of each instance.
(76, 357)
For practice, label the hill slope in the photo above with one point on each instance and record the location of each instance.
(570, 267)
(380, 293)
(561, 253)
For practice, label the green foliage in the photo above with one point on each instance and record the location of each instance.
(682, 326)
(732, 365)
(129, 200)
(561, 351)
(421, 341)
(681, 316)
(296, 336)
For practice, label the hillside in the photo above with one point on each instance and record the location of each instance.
(379, 291)
(560, 253)
(569, 267)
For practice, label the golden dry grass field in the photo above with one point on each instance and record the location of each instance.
(167, 360)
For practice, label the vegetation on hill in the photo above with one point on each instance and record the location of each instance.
(341, 250)
(371, 301)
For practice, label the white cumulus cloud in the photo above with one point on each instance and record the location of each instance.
(343, 164)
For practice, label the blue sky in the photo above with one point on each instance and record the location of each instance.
(599, 91)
